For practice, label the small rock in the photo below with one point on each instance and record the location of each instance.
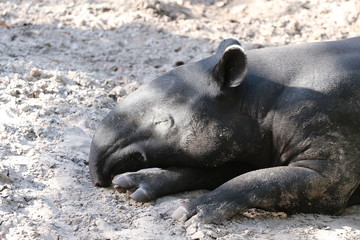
(16, 198)
(116, 92)
(191, 230)
(5, 194)
(60, 79)
(171, 10)
(131, 87)
(198, 235)
(15, 93)
(35, 73)
(25, 108)
(346, 228)
(4, 176)
(114, 68)
(34, 94)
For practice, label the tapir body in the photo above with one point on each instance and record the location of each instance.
(275, 128)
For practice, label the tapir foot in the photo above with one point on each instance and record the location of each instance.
(149, 184)
(208, 208)
(145, 185)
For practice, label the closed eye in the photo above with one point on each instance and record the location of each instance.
(161, 121)
(169, 120)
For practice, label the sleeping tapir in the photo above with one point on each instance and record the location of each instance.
(275, 128)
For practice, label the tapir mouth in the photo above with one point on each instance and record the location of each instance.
(129, 162)
(120, 161)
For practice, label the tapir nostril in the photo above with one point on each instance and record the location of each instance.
(102, 184)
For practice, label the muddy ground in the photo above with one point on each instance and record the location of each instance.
(64, 64)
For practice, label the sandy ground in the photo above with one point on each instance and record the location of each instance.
(65, 64)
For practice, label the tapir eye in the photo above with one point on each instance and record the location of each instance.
(162, 118)
(169, 121)
(161, 121)
(163, 124)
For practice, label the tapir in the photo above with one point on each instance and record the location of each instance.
(275, 128)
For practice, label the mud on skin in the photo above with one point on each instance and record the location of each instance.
(274, 128)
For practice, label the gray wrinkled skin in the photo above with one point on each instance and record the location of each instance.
(275, 128)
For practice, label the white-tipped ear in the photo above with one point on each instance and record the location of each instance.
(231, 69)
(227, 42)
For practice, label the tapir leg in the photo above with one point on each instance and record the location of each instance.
(289, 188)
(149, 184)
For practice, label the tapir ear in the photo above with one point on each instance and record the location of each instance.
(231, 69)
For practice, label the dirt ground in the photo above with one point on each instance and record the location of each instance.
(64, 64)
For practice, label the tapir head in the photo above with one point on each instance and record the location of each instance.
(183, 118)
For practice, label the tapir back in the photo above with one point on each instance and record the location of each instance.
(316, 66)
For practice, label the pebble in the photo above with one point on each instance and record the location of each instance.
(116, 92)
(60, 79)
(198, 235)
(16, 198)
(5, 176)
(25, 108)
(36, 73)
